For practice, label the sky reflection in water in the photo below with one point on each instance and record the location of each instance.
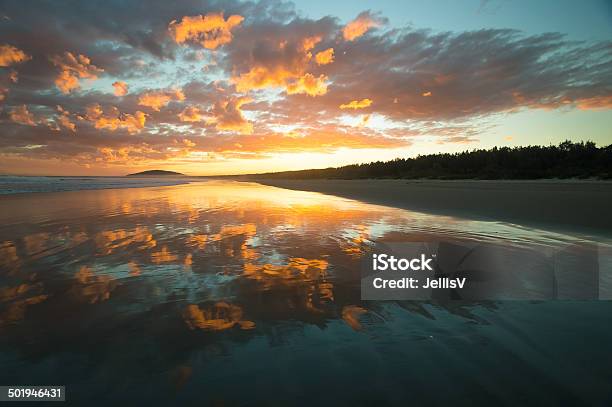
(160, 293)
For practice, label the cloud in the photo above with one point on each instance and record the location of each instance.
(121, 88)
(64, 119)
(72, 69)
(325, 57)
(423, 76)
(227, 115)
(279, 59)
(365, 119)
(191, 114)
(309, 85)
(13, 76)
(114, 119)
(158, 99)
(22, 115)
(210, 30)
(360, 25)
(356, 104)
(595, 103)
(10, 55)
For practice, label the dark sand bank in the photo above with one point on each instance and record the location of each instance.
(560, 205)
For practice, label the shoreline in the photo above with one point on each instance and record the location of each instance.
(560, 205)
(25, 185)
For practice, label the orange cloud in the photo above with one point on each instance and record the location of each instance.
(191, 114)
(359, 26)
(595, 103)
(72, 69)
(121, 88)
(228, 116)
(325, 57)
(157, 100)
(10, 55)
(309, 85)
(357, 104)
(114, 119)
(22, 115)
(64, 119)
(210, 30)
(288, 73)
(428, 93)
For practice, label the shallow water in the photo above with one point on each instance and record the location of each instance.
(233, 293)
(10, 184)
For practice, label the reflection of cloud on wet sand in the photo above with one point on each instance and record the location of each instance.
(297, 269)
(36, 242)
(91, 287)
(17, 299)
(350, 315)
(281, 255)
(217, 317)
(163, 256)
(8, 255)
(108, 241)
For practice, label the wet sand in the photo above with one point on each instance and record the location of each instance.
(165, 295)
(559, 205)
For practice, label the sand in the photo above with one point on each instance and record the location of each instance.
(559, 205)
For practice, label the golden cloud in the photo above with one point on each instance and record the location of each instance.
(210, 30)
(114, 119)
(121, 88)
(308, 84)
(357, 104)
(64, 119)
(157, 100)
(325, 57)
(289, 74)
(191, 114)
(228, 116)
(359, 26)
(22, 115)
(72, 69)
(10, 55)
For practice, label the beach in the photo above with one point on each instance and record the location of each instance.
(572, 205)
(195, 289)
(189, 291)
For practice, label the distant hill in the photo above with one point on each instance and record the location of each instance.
(156, 173)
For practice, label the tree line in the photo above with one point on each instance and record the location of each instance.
(566, 160)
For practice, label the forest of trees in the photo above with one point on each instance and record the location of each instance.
(567, 160)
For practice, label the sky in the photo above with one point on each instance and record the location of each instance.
(230, 87)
